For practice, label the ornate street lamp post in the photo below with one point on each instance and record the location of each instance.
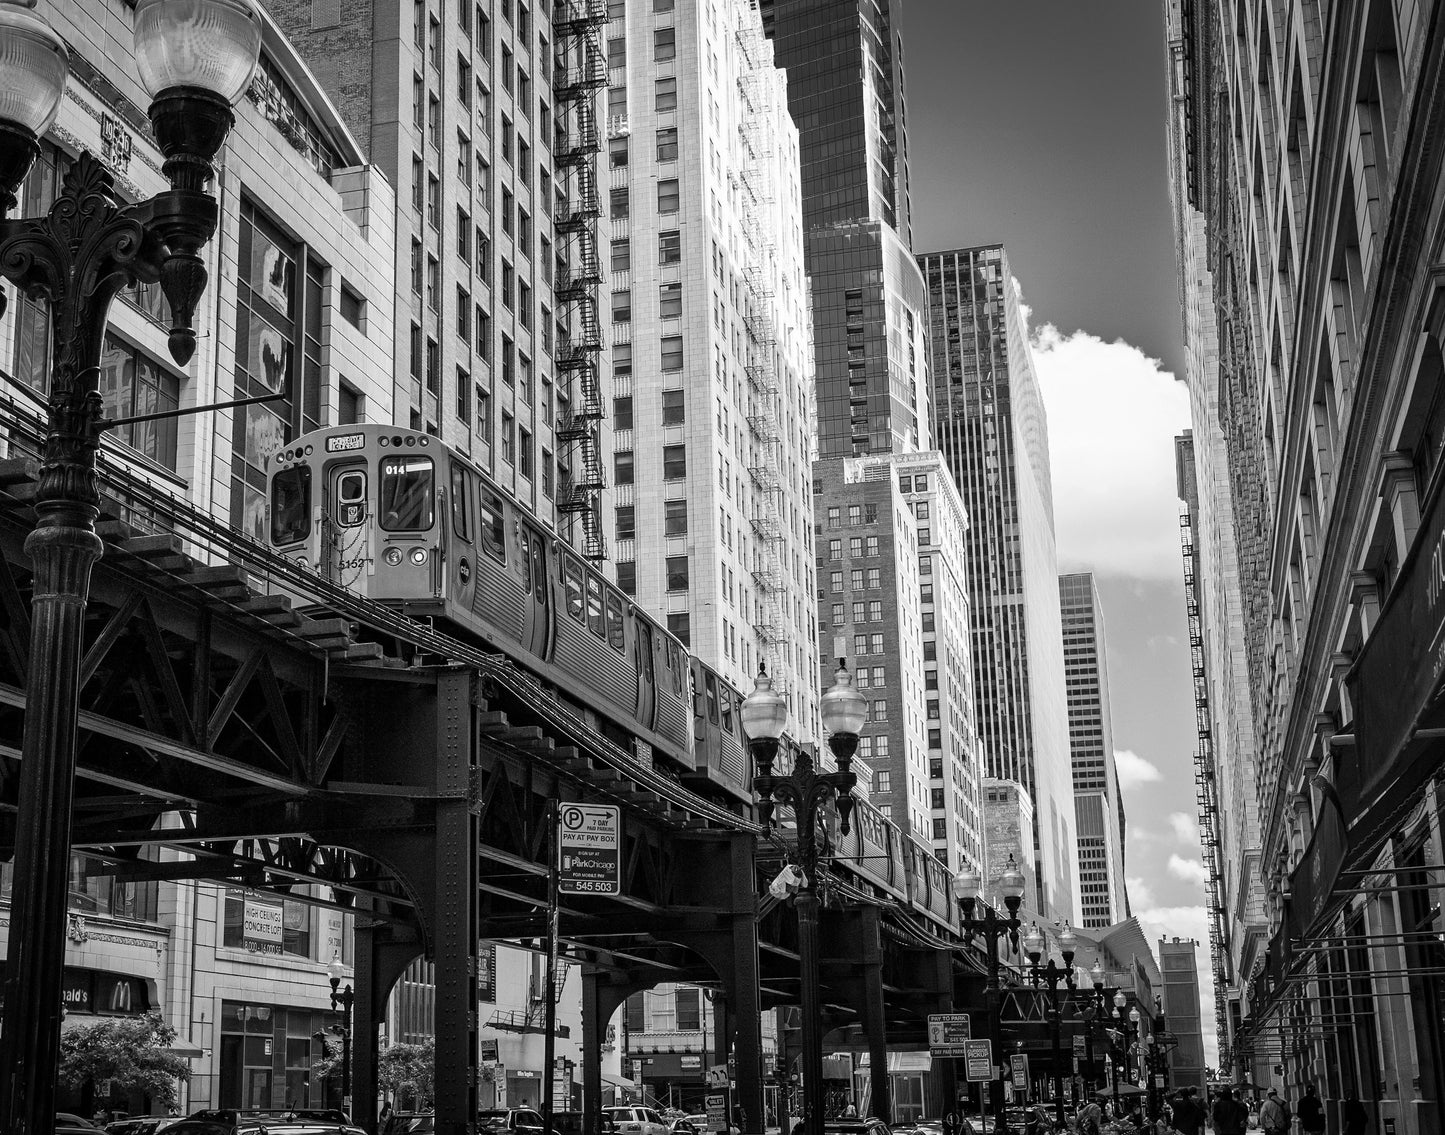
(1094, 1013)
(968, 888)
(1120, 1025)
(195, 57)
(342, 999)
(1051, 977)
(809, 793)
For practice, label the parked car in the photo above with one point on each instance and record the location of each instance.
(687, 1125)
(500, 1121)
(869, 1126)
(637, 1121)
(574, 1123)
(139, 1125)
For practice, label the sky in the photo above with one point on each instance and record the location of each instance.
(1040, 124)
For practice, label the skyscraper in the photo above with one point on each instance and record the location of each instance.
(1103, 899)
(993, 432)
(712, 368)
(1179, 966)
(845, 89)
(894, 600)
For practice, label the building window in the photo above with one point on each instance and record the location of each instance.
(669, 247)
(674, 517)
(667, 196)
(131, 383)
(669, 300)
(664, 45)
(835, 581)
(622, 307)
(672, 352)
(279, 309)
(626, 522)
(677, 573)
(618, 202)
(882, 781)
(664, 95)
(674, 408)
(835, 552)
(674, 462)
(680, 624)
(622, 467)
(667, 144)
(622, 413)
(835, 517)
(617, 152)
(627, 577)
(621, 255)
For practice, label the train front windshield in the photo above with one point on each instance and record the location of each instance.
(291, 505)
(406, 494)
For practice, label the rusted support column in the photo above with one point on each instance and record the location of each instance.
(743, 1001)
(455, 918)
(377, 966)
(601, 996)
(873, 1019)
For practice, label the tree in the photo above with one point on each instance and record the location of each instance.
(132, 1052)
(409, 1070)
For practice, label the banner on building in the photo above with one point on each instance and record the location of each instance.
(261, 921)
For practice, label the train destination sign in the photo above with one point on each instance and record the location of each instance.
(589, 846)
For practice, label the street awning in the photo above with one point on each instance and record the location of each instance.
(618, 1081)
(185, 1049)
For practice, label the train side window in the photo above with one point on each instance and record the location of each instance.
(712, 699)
(680, 673)
(406, 494)
(461, 514)
(524, 568)
(493, 529)
(291, 505)
(725, 700)
(616, 636)
(572, 581)
(539, 569)
(594, 607)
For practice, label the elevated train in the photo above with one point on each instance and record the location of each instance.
(399, 517)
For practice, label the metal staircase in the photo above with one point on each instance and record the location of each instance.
(580, 72)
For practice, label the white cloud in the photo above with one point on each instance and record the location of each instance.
(1187, 922)
(1133, 769)
(1113, 415)
(1190, 870)
(1186, 827)
(1139, 892)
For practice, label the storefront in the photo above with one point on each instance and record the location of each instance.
(266, 1055)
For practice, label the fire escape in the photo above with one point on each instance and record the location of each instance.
(765, 437)
(581, 71)
(1207, 794)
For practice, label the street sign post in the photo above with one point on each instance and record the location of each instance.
(717, 1112)
(589, 839)
(978, 1060)
(948, 1034)
(1020, 1065)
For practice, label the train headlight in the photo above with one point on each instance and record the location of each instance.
(418, 556)
(393, 556)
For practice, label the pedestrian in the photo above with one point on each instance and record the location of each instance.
(1274, 1115)
(1189, 1114)
(1229, 1115)
(1311, 1112)
(1353, 1115)
(851, 1111)
(1091, 1119)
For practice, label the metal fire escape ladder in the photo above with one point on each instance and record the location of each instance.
(1207, 794)
(755, 194)
(580, 71)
